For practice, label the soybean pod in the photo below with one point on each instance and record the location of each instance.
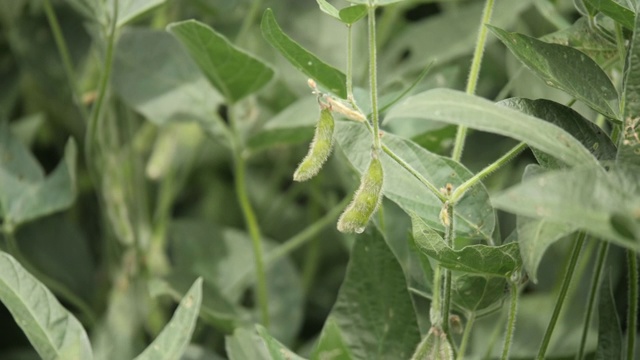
(320, 148)
(365, 201)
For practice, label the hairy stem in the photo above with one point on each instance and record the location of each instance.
(466, 335)
(449, 236)
(414, 172)
(511, 322)
(474, 73)
(373, 77)
(575, 254)
(593, 294)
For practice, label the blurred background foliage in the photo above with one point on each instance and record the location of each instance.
(166, 209)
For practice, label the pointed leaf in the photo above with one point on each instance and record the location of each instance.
(351, 14)
(326, 75)
(276, 349)
(630, 145)
(230, 69)
(614, 10)
(588, 133)
(610, 341)
(478, 259)
(456, 107)
(474, 215)
(24, 192)
(245, 344)
(564, 68)
(53, 331)
(584, 197)
(328, 9)
(374, 2)
(373, 311)
(129, 10)
(176, 335)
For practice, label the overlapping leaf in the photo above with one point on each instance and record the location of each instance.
(234, 72)
(613, 10)
(276, 349)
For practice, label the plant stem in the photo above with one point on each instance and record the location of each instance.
(373, 77)
(593, 293)
(414, 172)
(449, 236)
(65, 56)
(511, 322)
(466, 335)
(435, 315)
(462, 189)
(350, 64)
(474, 73)
(632, 312)
(249, 19)
(575, 253)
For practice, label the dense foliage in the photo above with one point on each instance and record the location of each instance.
(470, 189)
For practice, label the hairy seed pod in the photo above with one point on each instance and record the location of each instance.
(365, 201)
(320, 148)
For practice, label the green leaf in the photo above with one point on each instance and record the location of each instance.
(374, 2)
(276, 349)
(154, 75)
(614, 10)
(53, 331)
(583, 197)
(328, 9)
(583, 37)
(630, 145)
(128, 10)
(456, 107)
(589, 134)
(479, 294)
(230, 69)
(176, 335)
(474, 215)
(25, 194)
(373, 315)
(245, 344)
(564, 68)
(477, 259)
(331, 343)
(351, 14)
(610, 341)
(327, 76)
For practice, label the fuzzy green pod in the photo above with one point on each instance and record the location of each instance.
(320, 148)
(365, 201)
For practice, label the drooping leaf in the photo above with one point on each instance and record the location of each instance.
(351, 14)
(176, 335)
(610, 341)
(373, 316)
(154, 75)
(588, 133)
(564, 68)
(630, 145)
(614, 10)
(276, 349)
(473, 214)
(585, 197)
(456, 107)
(53, 331)
(25, 194)
(234, 72)
(478, 259)
(325, 75)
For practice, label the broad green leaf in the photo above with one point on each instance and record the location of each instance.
(154, 75)
(234, 72)
(373, 314)
(102, 12)
(583, 37)
(615, 11)
(456, 107)
(176, 335)
(325, 75)
(477, 259)
(53, 331)
(479, 294)
(245, 344)
(585, 197)
(588, 133)
(564, 68)
(610, 341)
(331, 343)
(276, 349)
(351, 14)
(629, 151)
(474, 216)
(328, 9)
(25, 194)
